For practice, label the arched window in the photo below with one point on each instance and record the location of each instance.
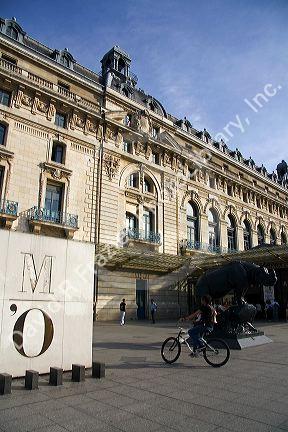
(2, 134)
(12, 32)
(231, 233)
(247, 234)
(213, 230)
(192, 226)
(283, 238)
(133, 180)
(131, 222)
(272, 237)
(148, 185)
(260, 234)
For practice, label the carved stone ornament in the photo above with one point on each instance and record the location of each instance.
(51, 111)
(170, 189)
(135, 122)
(148, 151)
(145, 122)
(137, 148)
(56, 172)
(27, 100)
(111, 164)
(42, 107)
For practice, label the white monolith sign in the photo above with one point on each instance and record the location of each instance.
(46, 302)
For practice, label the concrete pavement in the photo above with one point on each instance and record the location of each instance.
(141, 393)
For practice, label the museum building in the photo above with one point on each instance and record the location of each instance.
(92, 158)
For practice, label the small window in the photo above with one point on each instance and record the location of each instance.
(127, 146)
(127, 120)
(133, 180)
(4, 98)
(58, 153)
(230, 190)
(212, 182)
(12, 32)
(2, 134)
(1, 181)
(60, 120)
(245, 197)
(155, 158)
(155, 132)
(148, 185)
(9, 59)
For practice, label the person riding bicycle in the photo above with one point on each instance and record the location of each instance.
(207, 318)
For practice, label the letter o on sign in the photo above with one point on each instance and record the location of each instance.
(18, 333)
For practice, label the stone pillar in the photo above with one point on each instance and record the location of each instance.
(223, 234)
(204, 229)
(240, 238)
(254, 238)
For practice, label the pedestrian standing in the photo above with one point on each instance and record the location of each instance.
(153, 308)
(122, 312)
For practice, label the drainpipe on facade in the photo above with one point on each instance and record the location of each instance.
(98, 202)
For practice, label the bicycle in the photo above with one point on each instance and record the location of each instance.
(215, 352)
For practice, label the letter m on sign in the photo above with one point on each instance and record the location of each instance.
(32, 279)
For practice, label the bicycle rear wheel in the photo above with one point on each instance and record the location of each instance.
(216, 353)
(170, 350)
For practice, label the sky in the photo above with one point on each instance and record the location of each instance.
(206, 60)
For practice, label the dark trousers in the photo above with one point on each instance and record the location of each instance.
(196, 333)
(153, 316)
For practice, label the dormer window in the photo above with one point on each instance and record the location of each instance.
(12, 32)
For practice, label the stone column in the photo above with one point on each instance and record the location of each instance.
(223, 234)
(240, 238)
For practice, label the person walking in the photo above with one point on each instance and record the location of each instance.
(153, 308)
(122, 312)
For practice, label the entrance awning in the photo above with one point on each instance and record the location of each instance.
(115, 258)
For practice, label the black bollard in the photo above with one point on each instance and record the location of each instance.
(5, 383)
(31, 380)
(98, 370)
(78, 373)
(56, 376)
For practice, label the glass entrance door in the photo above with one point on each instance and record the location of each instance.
(141, 298)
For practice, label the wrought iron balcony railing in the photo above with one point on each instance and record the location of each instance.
(206, 247)
(148, 236)
(9, 207)
(45, 215)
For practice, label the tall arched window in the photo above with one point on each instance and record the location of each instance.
(260, 235)
(283, 238)
(213, 230)
(192, 226)
(231, 233)
(272, 237)
(247, 234)
(148, 185)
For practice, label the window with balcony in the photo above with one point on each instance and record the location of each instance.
(231, 233)
(53, 202)
(58, 153)
(192, 215)
(127, 147)
(213, 230)
(247, 234)
(260, 235)
(2, 134)
(60, 120)
(4, 97)
(131, 221)
(148, 223)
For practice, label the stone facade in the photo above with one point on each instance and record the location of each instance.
(138, 179)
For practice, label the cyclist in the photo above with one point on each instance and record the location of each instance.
(206, 316)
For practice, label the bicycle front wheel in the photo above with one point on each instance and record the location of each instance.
(216, 353)
(171, 350)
